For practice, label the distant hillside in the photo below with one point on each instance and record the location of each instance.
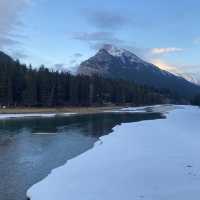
(118, 63)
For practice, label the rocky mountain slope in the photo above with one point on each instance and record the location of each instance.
(119, 63)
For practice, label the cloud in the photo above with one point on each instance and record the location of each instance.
(62, 67)
(97, 39)
(78, 55)
(107, 22)
(192, 77)
(59, 66)
(5, 40)
(73, 62)
(10, 12)
(105, 19)
(165, 50)
(186, 71)
(166, 66)
(99, 36)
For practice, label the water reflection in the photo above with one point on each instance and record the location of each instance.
(27, 157)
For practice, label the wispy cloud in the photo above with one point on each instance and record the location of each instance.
(186, 71)
(155, 56)
(166, 50)
(107, 24)
(78, 55)
(10, 12)
(166, 66)
(99, 36)
(97, 39)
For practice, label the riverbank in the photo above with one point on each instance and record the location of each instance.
(77, 110)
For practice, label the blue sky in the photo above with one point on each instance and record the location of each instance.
(62, 33)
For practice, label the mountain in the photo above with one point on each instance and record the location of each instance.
(119, 63)
(22, 86)
(4, 58)
(194, 78)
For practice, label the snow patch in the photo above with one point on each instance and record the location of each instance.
(146, 109)
(122, 53)
(45, 133)
(9, 116)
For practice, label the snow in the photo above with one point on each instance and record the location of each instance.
(158, 108)
(150, 160)
(9, 116)
(145, 109)
(114, 51)
(122, 53)
(47, 133)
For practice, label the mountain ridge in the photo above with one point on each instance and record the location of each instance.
(5, 58)
(113, 62)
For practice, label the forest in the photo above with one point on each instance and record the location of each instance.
(24, 86)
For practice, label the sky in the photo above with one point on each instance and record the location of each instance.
(62, 33)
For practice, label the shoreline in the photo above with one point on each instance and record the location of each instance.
(77, 110)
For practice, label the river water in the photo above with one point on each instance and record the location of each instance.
(31, 147)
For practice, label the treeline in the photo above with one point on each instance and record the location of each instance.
(196, 100)
(23, 86)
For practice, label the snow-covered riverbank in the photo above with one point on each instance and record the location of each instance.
(146, 109)
(152, 160)
(158, 108)
(10, 116)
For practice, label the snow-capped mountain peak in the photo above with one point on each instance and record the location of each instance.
(114, 51)
(118, 63)
(122, 53)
